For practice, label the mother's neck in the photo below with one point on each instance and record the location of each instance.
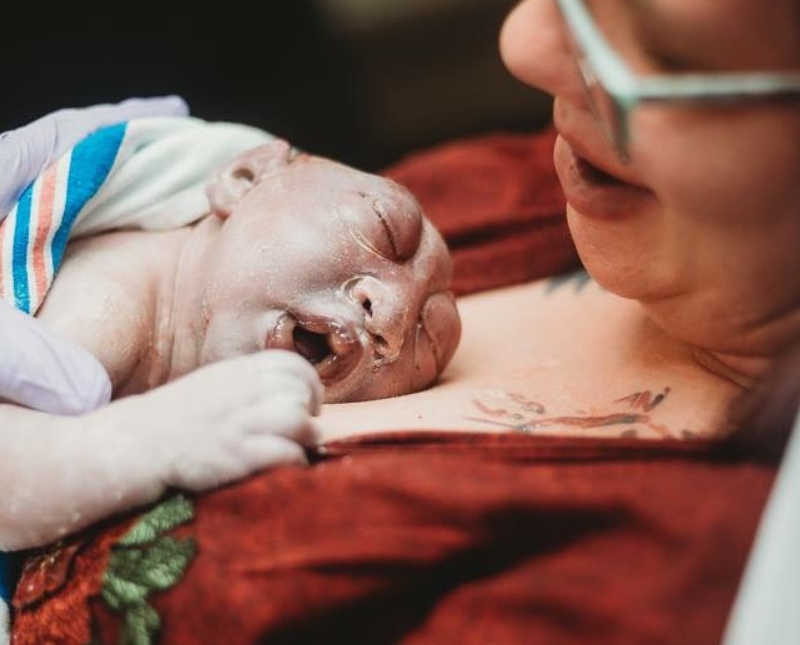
(741, 349)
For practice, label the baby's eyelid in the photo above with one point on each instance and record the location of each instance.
(389, 233)
(364, 241)
(403, 225)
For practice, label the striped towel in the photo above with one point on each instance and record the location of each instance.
(143, 174)
(146, 173)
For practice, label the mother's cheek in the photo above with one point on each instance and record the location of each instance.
(734, 165)
(632, 257)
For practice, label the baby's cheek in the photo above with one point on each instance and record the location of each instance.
(423, 368)
(442, 325)
(227, 335)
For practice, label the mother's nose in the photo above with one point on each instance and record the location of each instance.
(535, 48)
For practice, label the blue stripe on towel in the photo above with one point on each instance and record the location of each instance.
(20, 251)
(91, 162)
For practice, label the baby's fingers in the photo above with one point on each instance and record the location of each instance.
(272, 450)
(286, 414)
(273, 362)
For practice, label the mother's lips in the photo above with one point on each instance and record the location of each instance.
(594, 191)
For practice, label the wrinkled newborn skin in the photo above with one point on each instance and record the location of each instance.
(336, 264)
(297, 252)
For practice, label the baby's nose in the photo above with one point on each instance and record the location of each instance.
(386, 309)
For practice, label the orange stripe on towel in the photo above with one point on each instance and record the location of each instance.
(46, 201)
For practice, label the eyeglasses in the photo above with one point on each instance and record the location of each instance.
(615, 90)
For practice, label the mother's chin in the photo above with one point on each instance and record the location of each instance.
(630, 257)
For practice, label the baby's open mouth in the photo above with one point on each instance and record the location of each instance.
(310, 345)
(333, 348)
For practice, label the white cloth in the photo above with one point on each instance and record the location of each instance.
(767, 608)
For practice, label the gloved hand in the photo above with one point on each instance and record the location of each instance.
(28, 150)
(37, 369)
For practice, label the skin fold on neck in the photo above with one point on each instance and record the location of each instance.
(741, 351)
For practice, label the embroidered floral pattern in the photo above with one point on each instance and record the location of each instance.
(145, 560)
(45, 574)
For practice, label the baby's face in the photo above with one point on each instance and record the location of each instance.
(335, 264)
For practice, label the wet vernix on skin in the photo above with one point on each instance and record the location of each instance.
(293, 252)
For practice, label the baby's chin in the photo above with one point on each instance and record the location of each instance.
(417, 368)
(357, 377)
(370, 386)
(427, 350)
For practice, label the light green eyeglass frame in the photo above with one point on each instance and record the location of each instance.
(601, 66)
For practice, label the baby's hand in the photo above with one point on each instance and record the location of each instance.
(215, 425)
(226, 420)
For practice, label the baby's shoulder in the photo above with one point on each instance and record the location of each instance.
(100, 299)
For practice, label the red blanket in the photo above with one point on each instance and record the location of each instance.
(430, 538)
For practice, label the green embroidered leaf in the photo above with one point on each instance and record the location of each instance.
(164, 517)
(120, 593)
(145, 560)
(133, 573)
(140, 625)
(165, 563)
(111, 599)
(161, 565)
(124, 563)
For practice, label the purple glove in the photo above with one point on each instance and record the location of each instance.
(41, 371)
(37, 369)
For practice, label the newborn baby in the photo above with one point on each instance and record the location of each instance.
(295, 253)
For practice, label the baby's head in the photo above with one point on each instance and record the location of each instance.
(338, 265)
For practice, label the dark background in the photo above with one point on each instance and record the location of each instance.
(363, 81)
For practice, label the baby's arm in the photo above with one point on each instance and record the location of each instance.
(218, 424)
(60, 473)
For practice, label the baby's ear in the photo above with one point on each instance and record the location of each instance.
(235, 180)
